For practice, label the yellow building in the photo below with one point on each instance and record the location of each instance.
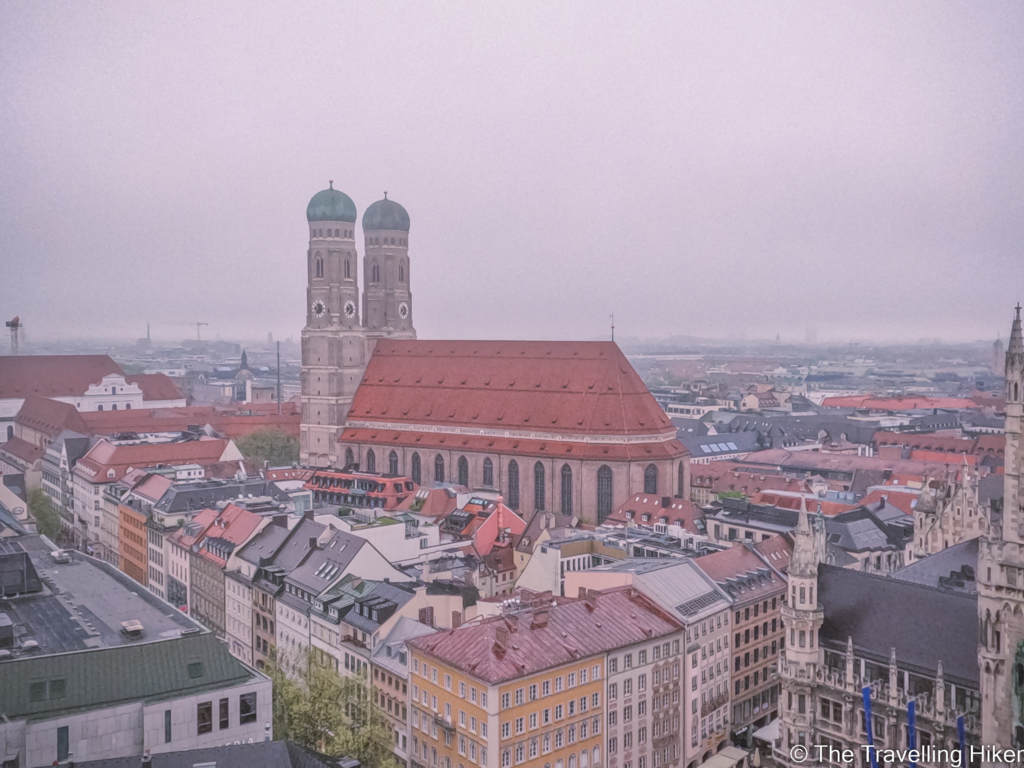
(526, 688)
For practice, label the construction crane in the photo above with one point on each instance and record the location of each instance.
(199, 324)
(15, 326)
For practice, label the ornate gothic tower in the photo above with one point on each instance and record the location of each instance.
(1001, 579)
(333, 342)
(802, 617)
(387, 300)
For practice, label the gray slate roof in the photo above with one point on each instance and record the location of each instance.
(266, 754)
(954, 568)
(924, 624)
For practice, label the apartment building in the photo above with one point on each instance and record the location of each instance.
(527, 688)
(757, 590)
(703, 608)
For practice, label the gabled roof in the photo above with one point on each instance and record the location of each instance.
(52, 375)
(742, 573)
(50, 416)
(105, 456)
(216, 533)
(548, 387)
(28, 452)
(559, 632)
(881, 614)
(155, 386)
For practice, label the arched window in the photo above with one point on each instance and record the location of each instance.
(127, 406)
(371, 460)
(337, 233)
(401, 273)
(319, 267)
(10, 432)
(417, 472)
(393, 463)
(488, 473)
(566, 490)
(375, 276)
(681, 482)
(538, 486)
(651, 479)
(438, 469)
(1016, 391)
(604, 493)
(350, 458)
(113, 407)
(513, 484)
(463, 471)
(99, 408)
(348, 269)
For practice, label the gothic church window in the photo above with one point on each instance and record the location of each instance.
(439, 469)
(376, 272)
(416, 469)
(463, 471)
(348, 269)
(566, 490)
(337, 233)
(538, 486)
(488, 473)
(604, 492)
(651, 479)
(319, 267)
(401, 273)
(371, 461)
(513, 484)
(393, 463)
(350, 458)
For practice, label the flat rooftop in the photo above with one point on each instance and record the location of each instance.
(83, 604)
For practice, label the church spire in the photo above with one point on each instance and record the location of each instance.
(1016, 343)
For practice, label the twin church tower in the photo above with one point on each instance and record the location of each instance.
(340, 330)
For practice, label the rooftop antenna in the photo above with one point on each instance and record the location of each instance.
(612, 316)
(279, 378)
(197, 330)
(331, 182)
(15, 326)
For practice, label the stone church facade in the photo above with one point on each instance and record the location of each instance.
(565, 427)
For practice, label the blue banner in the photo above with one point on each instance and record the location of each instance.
(868, 725)
(912, 729)
(963, 740)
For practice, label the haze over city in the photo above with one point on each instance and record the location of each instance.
(719, 171)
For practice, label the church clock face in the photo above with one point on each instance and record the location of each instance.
(350, 309)
(319, 308)
(403, 310)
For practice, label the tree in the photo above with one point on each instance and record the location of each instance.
(269, 445)
(47, 519)
(315, 707)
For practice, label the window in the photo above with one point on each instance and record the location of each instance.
(506, 700)
(417, 476)
(513, 485)
(375, 273)
(651, 479)
(167, 726)
(604, 493)
(393, 463)
(538, 486)
(463, 471)
(566, 490)
(204, 717)
(62, 743)
(225, 717)
(371, 460)
(348, 269)
(247, 708)
(319, 267)
(488, 473)
(438, 469)
(401, 273)
(350, 457)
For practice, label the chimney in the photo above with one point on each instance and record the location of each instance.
(583, 592)
(501, 637)
(540, 618)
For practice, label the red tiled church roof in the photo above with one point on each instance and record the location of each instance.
(155, 386)
(553, 387)
(52, 375)
(50, 416)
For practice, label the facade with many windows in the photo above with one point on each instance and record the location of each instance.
(530, 688)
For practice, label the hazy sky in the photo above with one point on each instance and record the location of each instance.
(701, 168)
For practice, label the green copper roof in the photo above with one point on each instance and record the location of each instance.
(331, 205)
(386, 214)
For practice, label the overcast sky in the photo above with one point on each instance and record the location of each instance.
(707, 168)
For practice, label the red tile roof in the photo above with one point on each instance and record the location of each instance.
(551, 387)
(231, 524)
(876, 403)
(50, 417)
(230, 422)
(52, 375)
(155, 386)
(287, 473)
(105, 456)
(828, 508)
(777, 550)
(681, 512)
(28, 452)
(571, 630)
(902, 500)
(735, 563)
(994, 444)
